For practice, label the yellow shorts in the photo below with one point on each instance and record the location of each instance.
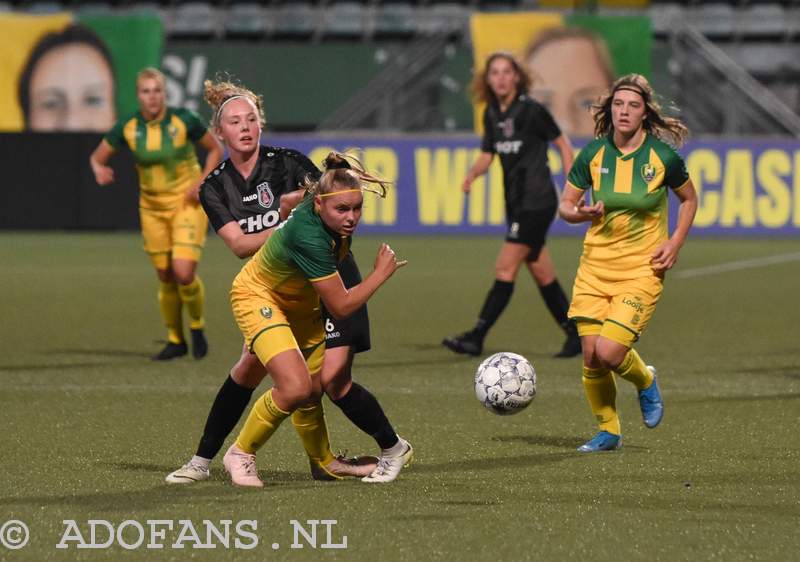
(272, 324)
(617, 310)
(175, 234)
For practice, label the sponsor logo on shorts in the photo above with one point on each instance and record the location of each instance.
(266, 312)
(635, 304)
(513, 231)
(648, 172)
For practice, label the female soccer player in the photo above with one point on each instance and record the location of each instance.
(276, 298)
(244, 213)
(174, 225)
(518, 129)
(627, 251)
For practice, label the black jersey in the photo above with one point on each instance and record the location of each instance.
(520, 136)
(254, 202)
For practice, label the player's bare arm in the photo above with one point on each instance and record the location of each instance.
(666, 255)
(103, 173)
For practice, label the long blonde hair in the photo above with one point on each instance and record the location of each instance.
(658, 124)
(218, 93)
(345, 171)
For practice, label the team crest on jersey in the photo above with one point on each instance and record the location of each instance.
(507, 127)
(172, 131)
(648, 172)
(265, 196)
(266, 312)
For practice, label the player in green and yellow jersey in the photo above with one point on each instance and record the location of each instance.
(162, 140)
(627, 171)
(276, 303)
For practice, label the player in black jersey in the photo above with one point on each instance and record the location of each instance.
(518, 129)
(245, 197)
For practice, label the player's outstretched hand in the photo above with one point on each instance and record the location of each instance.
(386, 262)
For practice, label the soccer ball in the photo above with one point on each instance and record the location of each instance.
(505, 383)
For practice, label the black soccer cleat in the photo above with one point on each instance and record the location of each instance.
(468, 343)
(199, 344)
(171, 351)
(571, 347)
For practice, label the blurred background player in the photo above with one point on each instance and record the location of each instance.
(276, 298)
(245, 197)
(627, 251)
(518, 129)
(162, 140)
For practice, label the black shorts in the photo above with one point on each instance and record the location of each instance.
(353, 331)
(530, 228)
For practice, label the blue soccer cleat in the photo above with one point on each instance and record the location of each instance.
(650, 402)
(603, 441)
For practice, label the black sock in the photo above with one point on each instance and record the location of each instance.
(493, 306)
(558, 305)
(363, 409)
(228, 407)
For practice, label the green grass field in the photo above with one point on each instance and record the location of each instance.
(90, 426)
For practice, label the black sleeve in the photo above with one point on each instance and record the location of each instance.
(213, 201)
(300, 167)
(544, 124)
(487, 144)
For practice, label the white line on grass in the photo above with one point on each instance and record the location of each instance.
(738, 265)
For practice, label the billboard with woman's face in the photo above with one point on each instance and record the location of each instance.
(63, 74)
(572, 60)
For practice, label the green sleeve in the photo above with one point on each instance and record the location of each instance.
(675, 175)
(580, 176)
(195, 127)
(115, 136)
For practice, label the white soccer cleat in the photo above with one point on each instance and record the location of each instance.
(389, 466)
(242, 467)
(188, 474)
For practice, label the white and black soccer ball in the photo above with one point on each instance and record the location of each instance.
(505, 383)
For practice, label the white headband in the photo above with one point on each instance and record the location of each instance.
(219, 111)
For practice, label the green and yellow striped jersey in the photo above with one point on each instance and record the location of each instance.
(632, 187)
(164, 153)
(301, 250)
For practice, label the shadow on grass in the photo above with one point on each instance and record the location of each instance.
(788, 369)
(50, 366)
(571, 443)
(740, 398)
(101, 352)
(494, 463)
(269, 476)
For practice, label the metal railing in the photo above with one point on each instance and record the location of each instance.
(718, 96)
(402, 96)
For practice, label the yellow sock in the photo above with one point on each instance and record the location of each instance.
(193, 297)
(634, 370)
(601, 391)
(264, 419)
(170, 303)
(309, 422)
